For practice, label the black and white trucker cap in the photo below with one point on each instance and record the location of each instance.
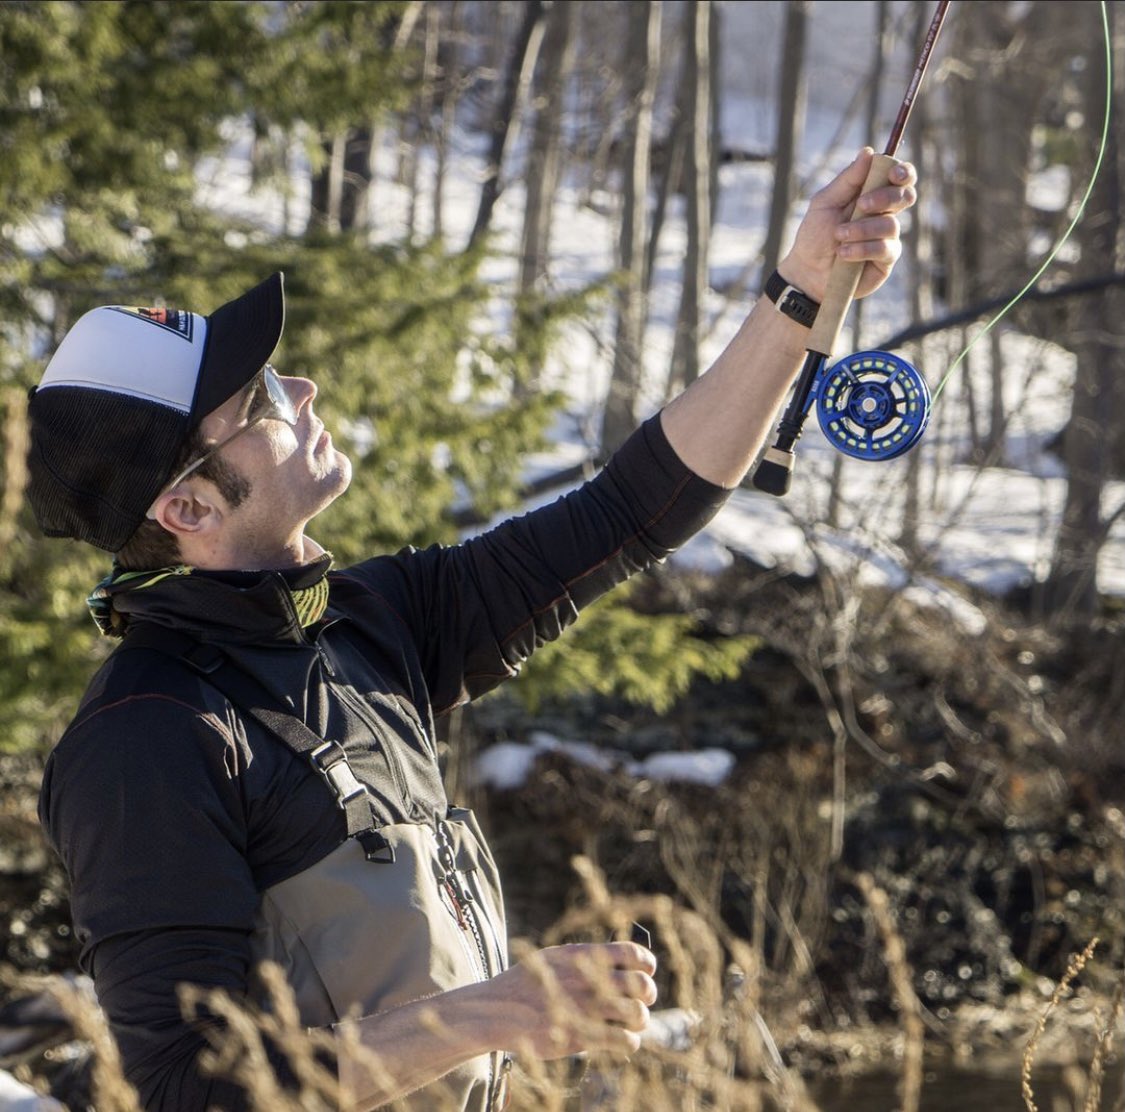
(119, 398)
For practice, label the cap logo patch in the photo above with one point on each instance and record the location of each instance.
(173, 320)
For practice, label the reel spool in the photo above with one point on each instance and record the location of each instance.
(872, 405)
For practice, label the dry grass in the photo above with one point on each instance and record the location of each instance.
(1106, 1036)
(730, 1062)
(110, 1092)
(1107, 1030)
(902, 984)
(238, 1047)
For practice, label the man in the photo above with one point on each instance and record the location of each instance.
(253, 774)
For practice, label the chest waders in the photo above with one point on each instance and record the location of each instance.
(397, 912)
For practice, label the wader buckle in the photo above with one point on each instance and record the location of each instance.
(331, 762)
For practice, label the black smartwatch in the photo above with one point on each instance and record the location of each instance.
(791, 301)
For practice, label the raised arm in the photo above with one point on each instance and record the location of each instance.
(535, 573)
(718, 424)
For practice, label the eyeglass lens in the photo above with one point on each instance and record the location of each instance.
(280, 402)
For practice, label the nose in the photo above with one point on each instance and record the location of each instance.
(302, 391)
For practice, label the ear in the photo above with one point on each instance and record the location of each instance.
(191, 509)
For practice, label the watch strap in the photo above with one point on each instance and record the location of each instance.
(790, 300)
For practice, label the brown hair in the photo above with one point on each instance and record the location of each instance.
(151, 545)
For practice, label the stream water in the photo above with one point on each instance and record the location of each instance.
(951, 1088)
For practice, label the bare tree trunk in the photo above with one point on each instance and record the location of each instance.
(599, 81)
(415, 127)
(449, 66)
(670, 180)
(1072, 588)
(602, 156)
(415, 123)
(359, 174)
(328, 185)
(642, 54)
(543, 164)
(341, 190)
(966, 235)
(715, 58)
(697, 80)
(997, 87)
(1005, 165)
(670, 169)
(790, 124)
(505, 121)
(669, 183)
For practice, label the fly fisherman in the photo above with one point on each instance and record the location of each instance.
(252, 775)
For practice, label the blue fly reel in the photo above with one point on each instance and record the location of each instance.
(872, 405)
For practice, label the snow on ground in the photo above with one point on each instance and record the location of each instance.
(15, 1096)
(507, 764)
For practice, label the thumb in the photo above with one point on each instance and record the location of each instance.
(845, 186)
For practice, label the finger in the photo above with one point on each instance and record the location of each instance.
(868, 228)
(632, 955)
(630, 1014)
(884, 253)
(841, 190)
(615, 955)
(617, 1040)
(901, 177)
(905, 173)
(636, 985)
(887, 198)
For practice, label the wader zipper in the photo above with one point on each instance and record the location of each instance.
(460, 894)
(476, 892)
(501, 1095)
(463, 903)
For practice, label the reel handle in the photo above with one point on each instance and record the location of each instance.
(844, 278)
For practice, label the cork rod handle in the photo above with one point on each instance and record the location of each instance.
(844, 279)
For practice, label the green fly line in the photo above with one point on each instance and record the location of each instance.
(1073, 224)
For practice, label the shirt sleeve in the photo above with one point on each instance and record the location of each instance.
(477, 610)
(138, 978)
(142, 802)
(142, 799)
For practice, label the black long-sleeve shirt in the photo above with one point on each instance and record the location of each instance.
(172, 812)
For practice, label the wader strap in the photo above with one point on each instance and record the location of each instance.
(246, 692)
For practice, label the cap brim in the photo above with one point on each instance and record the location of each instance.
(241, 337)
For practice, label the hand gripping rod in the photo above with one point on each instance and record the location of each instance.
(775, 469)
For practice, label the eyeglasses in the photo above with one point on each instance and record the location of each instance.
(265, 399)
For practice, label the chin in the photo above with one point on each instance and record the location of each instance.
(344, 469)
(336, 481)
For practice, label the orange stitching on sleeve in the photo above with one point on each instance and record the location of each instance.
(209, 716)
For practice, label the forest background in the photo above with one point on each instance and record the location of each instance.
(510, 230)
